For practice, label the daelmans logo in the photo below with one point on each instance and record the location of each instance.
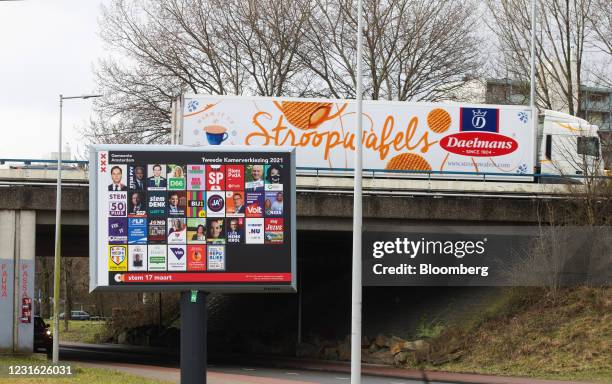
(479, 144)
(479, 120)
(479, 135)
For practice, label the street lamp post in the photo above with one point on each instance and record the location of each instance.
(532, 80)
(58, 216)
(356, 294)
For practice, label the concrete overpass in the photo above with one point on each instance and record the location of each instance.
(324, 223)
(324, 202)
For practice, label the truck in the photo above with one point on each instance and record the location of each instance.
(434, 140)
(568, 146)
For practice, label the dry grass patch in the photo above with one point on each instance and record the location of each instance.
(532, 333)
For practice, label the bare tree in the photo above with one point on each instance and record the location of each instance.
(44, 277)
(601, 23)
(267, 35)
(68, 290)
(414, 49)
(591, 192)
(167, 47)
(173, 46)
(562, 34)
(136, 105)
(329, 48)
(440, 49)
(572, 242)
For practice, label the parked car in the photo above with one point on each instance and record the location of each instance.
(76, 315)
(43, 339)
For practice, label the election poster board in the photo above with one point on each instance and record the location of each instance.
(178, 217)
(467, 139)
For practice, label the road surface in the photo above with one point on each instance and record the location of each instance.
(141, 362)
(247, 375)
(163, 363)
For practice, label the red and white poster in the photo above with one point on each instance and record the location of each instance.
(235, 177)
(215, 177)
(273, 231)
(196, 257)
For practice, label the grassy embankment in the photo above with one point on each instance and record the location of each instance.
(81, 331)
(528, 332)
(82, 375)
(532, 333)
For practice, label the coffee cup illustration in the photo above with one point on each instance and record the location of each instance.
(215, 134)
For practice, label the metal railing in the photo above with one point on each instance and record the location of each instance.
(43, 161)
(367, 172)
(540, 178)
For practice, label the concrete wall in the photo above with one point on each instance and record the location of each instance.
(17, 239)
(43, 198)
(7, 270)
(320, 205)
(420, 208)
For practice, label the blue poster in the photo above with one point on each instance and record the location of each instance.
(137, 230)
(117, 231)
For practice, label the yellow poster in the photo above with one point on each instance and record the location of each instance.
(117, 258)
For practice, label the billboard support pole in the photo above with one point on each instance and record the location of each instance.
(193, 337)
(357, 217)
(299, 324)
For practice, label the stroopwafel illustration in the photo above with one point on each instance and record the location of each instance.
(438, 120)
(408, 162)
(305, 114)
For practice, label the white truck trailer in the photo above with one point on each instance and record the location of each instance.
(441, 140)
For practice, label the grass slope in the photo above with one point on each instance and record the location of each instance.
(81, 331)
(531, 332)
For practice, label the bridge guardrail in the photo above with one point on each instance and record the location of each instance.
(52, 162)
(339, 180)
(369, 172)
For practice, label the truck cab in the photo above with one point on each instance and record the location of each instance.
(569, 147)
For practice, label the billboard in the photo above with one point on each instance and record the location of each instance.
(396, 135)
(176, 218)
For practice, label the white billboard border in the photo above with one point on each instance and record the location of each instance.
(218, 288)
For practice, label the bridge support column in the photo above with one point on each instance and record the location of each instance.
(17, 272)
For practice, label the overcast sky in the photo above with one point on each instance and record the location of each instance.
(48, 48)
